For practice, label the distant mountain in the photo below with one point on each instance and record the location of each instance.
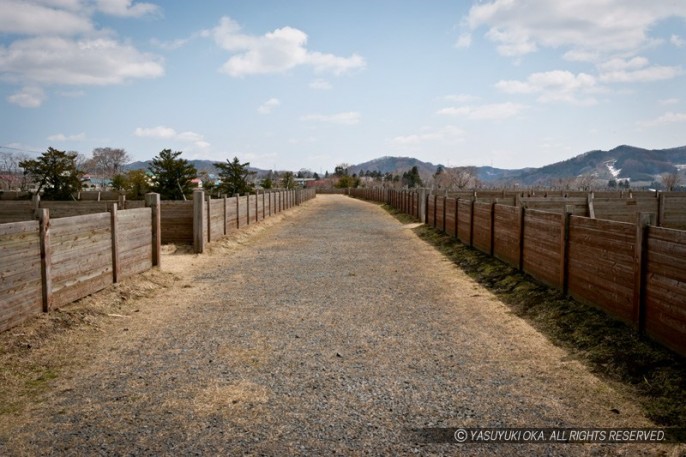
(200, 165)
(395, 165)
(640, 166)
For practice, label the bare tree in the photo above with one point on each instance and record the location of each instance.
(459, 178)
(671, 180)
(11, 174)
(585, 181)
(108, 162)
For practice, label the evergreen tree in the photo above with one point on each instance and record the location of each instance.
(288, 180)
(412, 179)
(56, 174)
(234, 176)
(172, 176)
(139, 184)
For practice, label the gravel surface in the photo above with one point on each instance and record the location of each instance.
(331, 329)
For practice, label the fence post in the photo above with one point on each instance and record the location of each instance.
(471, 221)
(209, 218)
(445, 212)
(226, 213)
(238, 210)
(257, 206)
(491, 248)
(457, 206)
(564, 249)
(426, 208)
(247, 207)
(660, 209)
(45, 258)
(153, 201)
(591, 208)
(116, 269)
(640, 250)
(520, 241)
(198, 221)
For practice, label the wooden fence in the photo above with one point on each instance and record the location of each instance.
(178, 218)
(211, 219)
(633, 269)
(25, 210)
(50, 262)
(47, 263)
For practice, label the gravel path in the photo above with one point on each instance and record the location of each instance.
(334, 331)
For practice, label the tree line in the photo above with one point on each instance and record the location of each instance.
(59, 175)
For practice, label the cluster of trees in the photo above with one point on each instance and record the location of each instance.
(621, 184)
(59, 175)
(55, 173)
(343, 178)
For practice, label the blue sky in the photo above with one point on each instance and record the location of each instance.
(311, 84)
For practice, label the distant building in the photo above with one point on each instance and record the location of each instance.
(303, 182)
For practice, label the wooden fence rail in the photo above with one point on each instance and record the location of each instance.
(47, 263)
(50, 262)
(631, 269)
(211, 219)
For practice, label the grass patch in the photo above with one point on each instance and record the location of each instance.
(655, 376)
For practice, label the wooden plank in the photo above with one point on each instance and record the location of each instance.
(25, 271)
(75, 252)
(82, 287)
(17, 228)
(64, 273)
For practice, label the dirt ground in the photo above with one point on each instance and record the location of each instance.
(328, 329)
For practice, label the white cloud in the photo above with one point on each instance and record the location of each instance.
(274, 52)
(497, 111)
(55, 60)
(28, 97)
(34, 17)
(577, 55)
(554, 86)
(636, 69)
(126, 8)
(60, 44)
(445, 134)
(667, 118)
(654, 73)
(171, 44)
(677, 41)
(320, 84)
(608, 26)
(268, 106)
(61, 137)
(464, 41)
(461, 98)
(168, 133)
(619, 64)
(669, 101)
(155, 132)
(348, 118)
